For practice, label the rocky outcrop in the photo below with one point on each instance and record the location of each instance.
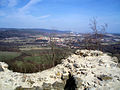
(84, 70)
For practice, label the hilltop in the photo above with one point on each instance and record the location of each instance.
(84, 70)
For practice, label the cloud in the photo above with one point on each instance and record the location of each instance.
(21, 15)
(17, 20)
(29, 5)
(26, 17)
(43, 17)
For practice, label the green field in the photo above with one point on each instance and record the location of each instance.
(33, 60)
(38, 59)
(8, 55)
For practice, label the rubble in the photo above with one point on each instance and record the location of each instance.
(86, 70)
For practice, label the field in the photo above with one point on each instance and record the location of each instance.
(25, 52)
(4, 56)
(33, 60)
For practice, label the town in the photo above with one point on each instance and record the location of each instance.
(67, 39)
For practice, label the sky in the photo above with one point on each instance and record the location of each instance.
(71, 15)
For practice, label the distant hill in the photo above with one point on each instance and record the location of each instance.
(15, 32)
(35, 30)
(108, 35)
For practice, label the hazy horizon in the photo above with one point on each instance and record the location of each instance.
(73, 15)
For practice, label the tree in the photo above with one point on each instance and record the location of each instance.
(52, 46)
(97, 34)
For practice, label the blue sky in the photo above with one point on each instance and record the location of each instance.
(71, 15)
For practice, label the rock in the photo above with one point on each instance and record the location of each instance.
(70, 61)
(78, 72)
(117, 77)
(96, 53)
(78, 52)
(76, 65)
(118, 65)
(51, 76)
(31, 82)
(78, 81)
(47, 86)
(112, 65)
(64, 70)
(93, 66)
(85, 55)
(85, 70)
(101, 63)
(1, 69)
(34, 88)
(69, 65)
(115, 59)
(58, 85)
(104, 77)
(81, 53)
(65, 76)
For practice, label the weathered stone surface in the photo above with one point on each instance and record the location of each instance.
(104, 77)
(34, 88)
(78, 52)
(115, 59)
(76, 65)
(47, 86)
(89, 69)
(1, 69)
(58, 85)
(64, 76)
(78, 81)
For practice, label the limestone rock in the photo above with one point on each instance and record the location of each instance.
(76, 65)
(104, 77)
(58, 85)
(34, 88)
(115, 59)
(47, 86)
(65, 76)
(1, 69)
(87, 69)
(78, 81)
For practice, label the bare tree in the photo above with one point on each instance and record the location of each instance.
(98, 32)
(52, 46)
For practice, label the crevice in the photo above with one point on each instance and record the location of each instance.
(70, 83)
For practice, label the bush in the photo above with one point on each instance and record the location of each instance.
(35, 61)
